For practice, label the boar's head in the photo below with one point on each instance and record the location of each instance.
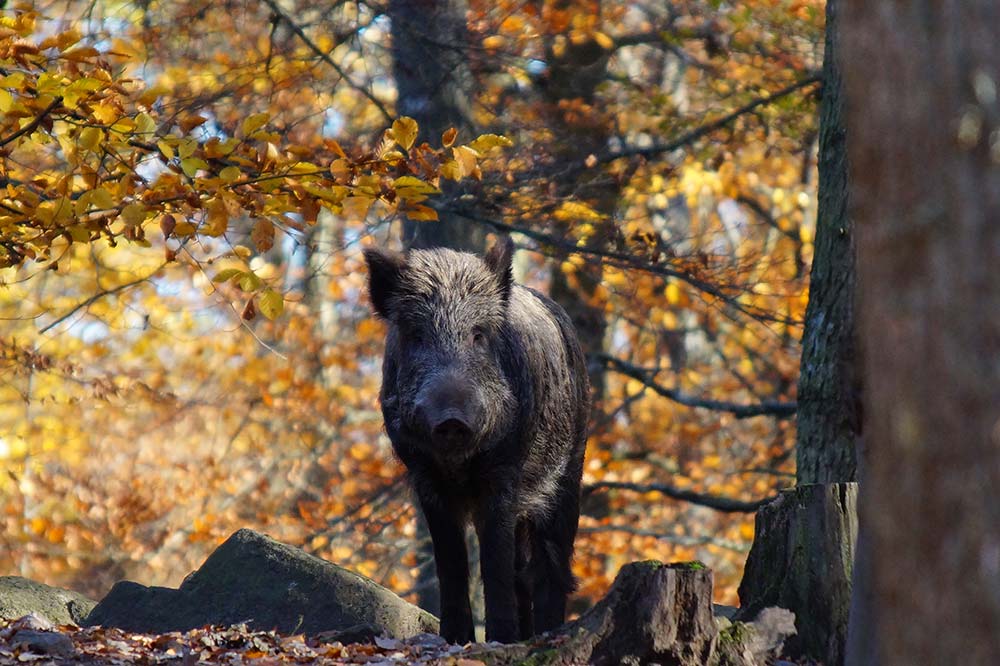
(446, 382)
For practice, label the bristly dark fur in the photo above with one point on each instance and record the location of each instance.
(485, 399)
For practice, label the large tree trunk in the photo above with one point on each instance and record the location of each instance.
(803, 552)
(922, 87)
(575, 75)
(829, 413)
(430, 48)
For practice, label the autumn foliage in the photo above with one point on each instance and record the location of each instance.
(186, 347)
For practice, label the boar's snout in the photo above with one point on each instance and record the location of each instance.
(452, 431)
(448, 411)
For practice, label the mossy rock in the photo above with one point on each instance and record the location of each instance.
(21, 596)
(268, 585)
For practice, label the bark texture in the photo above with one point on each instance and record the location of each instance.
(655, 613)
(922, 82)
(573, 77)
(802, 558)
(434, 84)
(829, 411)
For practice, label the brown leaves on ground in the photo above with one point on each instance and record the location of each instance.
(20, 643)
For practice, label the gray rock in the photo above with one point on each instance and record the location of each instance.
(43, 642)
(21, 596)
(254, 579)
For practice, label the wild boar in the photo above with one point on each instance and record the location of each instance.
(485, 398)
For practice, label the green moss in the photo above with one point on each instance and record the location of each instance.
(693, 566)
(735, 634)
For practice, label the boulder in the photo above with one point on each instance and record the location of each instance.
(256, 580)
(21, 596)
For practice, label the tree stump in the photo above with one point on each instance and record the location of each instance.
(801, 559)
(655, 613)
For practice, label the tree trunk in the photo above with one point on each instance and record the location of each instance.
(430, 49)
(921, 81)
(575, 75)
(802, 558)
(829, 414)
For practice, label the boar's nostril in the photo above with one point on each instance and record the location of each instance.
(452, 431)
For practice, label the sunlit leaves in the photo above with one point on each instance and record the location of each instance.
(404, 131)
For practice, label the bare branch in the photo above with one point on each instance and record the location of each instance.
(679, 539)
(717, 502)
(740, 411)
(325, 57)
(698, 132)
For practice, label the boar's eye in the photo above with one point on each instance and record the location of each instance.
(479, 338)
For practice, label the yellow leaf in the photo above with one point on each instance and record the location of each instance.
(421, 213)
(255, 122)
(226, 274)
(467, 160)
(451, 170)
(102, 199)
(186, 148)
(249, 282)
(6, 101)
(404, 131)
(448, 138)
(134, 213)
(356, 208)
(487, 142)
(271, 304)
(90, 137)
(230, 174)
(409, 188)
(191, 165)
(166, 149)
(144, 124)
(184, 228)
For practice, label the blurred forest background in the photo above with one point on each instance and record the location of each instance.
(186, 347)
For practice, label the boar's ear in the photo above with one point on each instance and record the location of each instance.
(498, 259)
(385, 269)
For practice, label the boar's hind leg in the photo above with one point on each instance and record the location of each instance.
(523, 581)
(551, 559)
(452, 563)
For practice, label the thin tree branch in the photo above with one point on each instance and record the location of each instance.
(33, 125)
(695, 134)
(740, 411)
(96, 297)
(717, 502)
(325, 57)
(679, 539)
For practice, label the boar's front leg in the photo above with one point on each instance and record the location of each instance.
(497, 549)
(452, 562)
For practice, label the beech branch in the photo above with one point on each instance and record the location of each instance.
(33, 125)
